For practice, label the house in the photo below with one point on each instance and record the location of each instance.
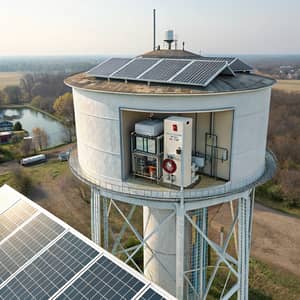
(6, 126)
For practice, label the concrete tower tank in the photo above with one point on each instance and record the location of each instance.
(152, 136)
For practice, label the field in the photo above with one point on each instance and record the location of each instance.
(288, 85)
(9, 78)
(274, 269)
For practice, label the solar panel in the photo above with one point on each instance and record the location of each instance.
(135, 68)
(165, 70)
(44, 258)
(14, 217)
(104, 280)
(50, 271)
(240, 66)
(199, 72)
(151, 295)
(25, 243)
(106, 68)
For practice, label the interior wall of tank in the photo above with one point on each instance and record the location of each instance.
(163, 246)
(100, 152)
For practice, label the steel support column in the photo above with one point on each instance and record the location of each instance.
(95, 216)
(203, 222)
(105, 223)
(244, 242)
(180, 219)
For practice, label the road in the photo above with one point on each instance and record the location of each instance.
(275, 238)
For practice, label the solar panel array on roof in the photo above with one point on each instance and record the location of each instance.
(199, 72)
(165, 70)
(234, 63)
(135, 68)
(192, 72)
(109, 66)
(41, 258)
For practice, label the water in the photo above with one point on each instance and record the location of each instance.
(30, 119)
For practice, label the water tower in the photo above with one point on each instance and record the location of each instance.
(174, 135)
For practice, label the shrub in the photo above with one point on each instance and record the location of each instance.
(17, 126)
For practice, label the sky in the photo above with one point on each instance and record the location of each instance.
(123, 27)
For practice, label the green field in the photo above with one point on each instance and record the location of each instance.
(288, 85)
(9, 78)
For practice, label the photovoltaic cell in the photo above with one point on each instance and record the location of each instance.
(14, 217)
(25, 243)
(199, 72)
(151, 295)
(108, 67)
(165, 69)
(104, 280)
(240, 66)
(51, 270)
(135, 68)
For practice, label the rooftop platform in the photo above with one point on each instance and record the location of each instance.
(222, 84)
(143, 189)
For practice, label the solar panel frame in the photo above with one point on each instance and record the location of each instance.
(35, 275)
(108, 67)
(15, 216)
(193, 75)
(104, 279)
(135, 68)
(150, 294)
(51, 270)
(165, 70)
(31, 239)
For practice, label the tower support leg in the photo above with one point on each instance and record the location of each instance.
(203, 251)
(244, 246)
(95, 216)
(180, 219)
(105, 223)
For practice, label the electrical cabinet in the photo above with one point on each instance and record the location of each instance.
(178, 168)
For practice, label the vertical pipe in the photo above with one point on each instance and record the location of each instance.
(203, 252)
(95, 216)
(243, 259)
(105, 224)
(180, 251)
(154, 29)
(180, 218)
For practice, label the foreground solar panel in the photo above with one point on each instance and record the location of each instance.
(171, 71)
(41, 257)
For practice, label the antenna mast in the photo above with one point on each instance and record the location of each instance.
(154, 29)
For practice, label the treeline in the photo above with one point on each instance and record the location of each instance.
(47, 86)
(284, 140)
(48, 64)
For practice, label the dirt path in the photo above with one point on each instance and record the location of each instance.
(275, 238)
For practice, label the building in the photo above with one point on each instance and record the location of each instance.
(174, 133)
(5, 137)
(6, 126)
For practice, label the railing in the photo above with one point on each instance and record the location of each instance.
(132, 190)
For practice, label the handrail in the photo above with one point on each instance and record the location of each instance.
(174, 195)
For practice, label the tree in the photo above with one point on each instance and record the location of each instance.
(17, 126)
(2, 97)
(12, 94)
(26, 84)
(26, 147)
(40, 138)
(63, 107)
